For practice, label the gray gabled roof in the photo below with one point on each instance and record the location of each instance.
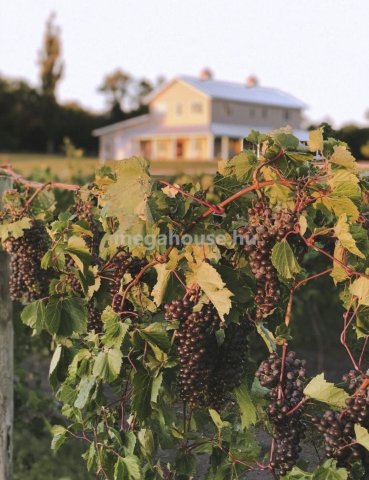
(237, 92)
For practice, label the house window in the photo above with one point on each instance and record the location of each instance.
(227, 109)
(265, 112)
(196, 107)
(179, 109)
(286, 115)
(161, 107)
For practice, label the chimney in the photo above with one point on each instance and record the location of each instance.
(206, 74)
(252, 81)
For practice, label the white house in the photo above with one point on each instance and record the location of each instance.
(200, 118)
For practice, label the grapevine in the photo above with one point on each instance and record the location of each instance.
(172, 311)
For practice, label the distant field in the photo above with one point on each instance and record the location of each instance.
(65, 168)
(59, 166)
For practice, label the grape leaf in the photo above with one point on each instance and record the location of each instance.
(108, 364)
(34, 314)
(315, 141)
(303, 224)
(141, 400)
(59, 434)
(213, 286)
(300, 156)
(345, 184)
(339, 274)
(127, 468)
(127, 198)
(341, 156)
(267, 336)
(15, 229)
(84, 390)
(339, 205)
(329, 471)
(362, 435)
(342, 232)
(287, 141)
(255, 137)
(247, 408)
(242, 165)
(163, 275)
(156, 335)
(360, 288)
(114, 329)
(319, 389)
(219, 423)
(297, 474)
(278, 194)
(284, 260)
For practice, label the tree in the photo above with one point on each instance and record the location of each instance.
(51, 65)
(116, 86)
(144, 87)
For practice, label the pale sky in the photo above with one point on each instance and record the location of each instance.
(317, 50)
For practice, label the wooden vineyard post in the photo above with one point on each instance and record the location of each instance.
(6, 360)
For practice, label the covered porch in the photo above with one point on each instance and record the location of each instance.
(196, 147)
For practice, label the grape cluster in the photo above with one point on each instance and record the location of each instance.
(94, 318)
(338, 430)
(265, 228)
(121, 263)
(197, 348)
(231, 364)
(83, 210)
(28, 281)
(352, 380)
(285, 394)
(207, 371)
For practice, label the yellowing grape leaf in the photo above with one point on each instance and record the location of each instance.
(170, 191)
(340, 205)
(213, 286)
(242, 165)
(360, 289)
(163, 275)
(362, 435)
(315, 141)
(339, 274)
(127, 198)
(319, 389)
(342, 157)
(345, 184)
(15, 229)
(303, 224)
(342, 232)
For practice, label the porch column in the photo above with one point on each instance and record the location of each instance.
(224, 148)
(154, 149)
(174, 148)
(210, 147)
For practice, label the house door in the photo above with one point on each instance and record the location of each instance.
(180, 148)
(146, 149)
